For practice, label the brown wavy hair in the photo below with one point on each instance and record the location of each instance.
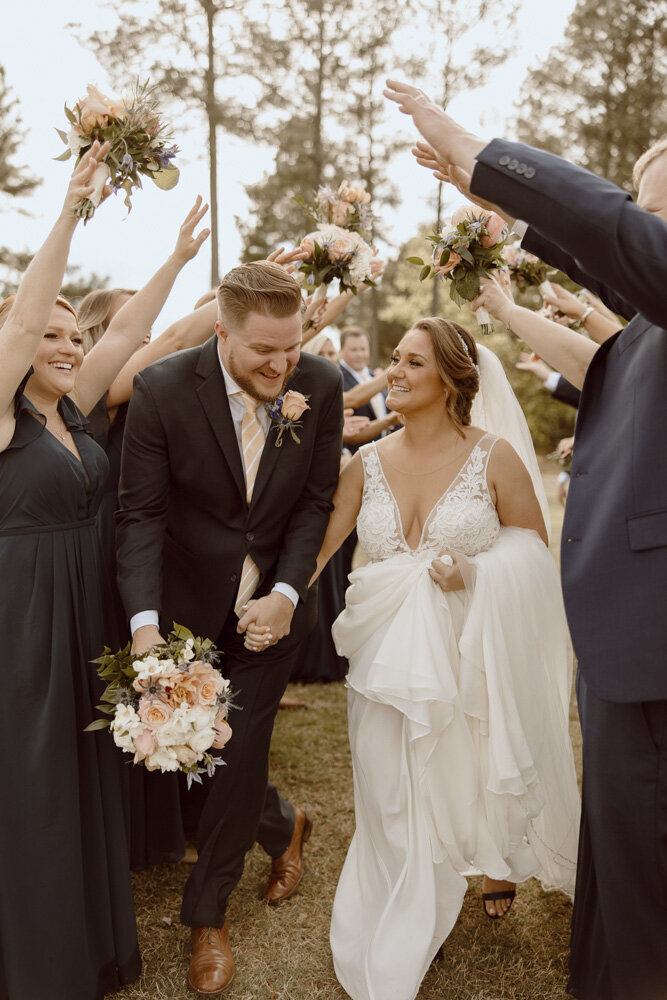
(455, 364)
(94, 313)
(260, 286)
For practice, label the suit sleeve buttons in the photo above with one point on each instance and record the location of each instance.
(530, 172)
(503, 161)
(513, 164)
(521, 169)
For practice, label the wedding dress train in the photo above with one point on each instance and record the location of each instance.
(458, 717)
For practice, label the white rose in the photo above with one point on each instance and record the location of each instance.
(200, 716)
(202, 739)
(162, 760)
(151, 667)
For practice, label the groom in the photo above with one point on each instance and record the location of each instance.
(214, 512)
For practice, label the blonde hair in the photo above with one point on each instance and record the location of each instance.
(651, 154)
(316, 343)
(456, 364)
(261, 287)
(95, 314)
(206, 297)
(6, 307)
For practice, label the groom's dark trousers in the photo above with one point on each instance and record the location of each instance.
(184, 530)
(614, 560)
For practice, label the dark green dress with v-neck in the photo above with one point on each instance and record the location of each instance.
(67, 926)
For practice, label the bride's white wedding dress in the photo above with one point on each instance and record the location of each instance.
(458, 716)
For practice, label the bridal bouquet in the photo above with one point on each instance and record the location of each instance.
(526, 270)
(470, 245)
(342, 245)
(140, 143)
(553, 313)
(168, 707)
(347, 206)
(334, 252)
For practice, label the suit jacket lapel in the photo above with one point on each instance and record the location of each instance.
(213, 396)
(271, 452)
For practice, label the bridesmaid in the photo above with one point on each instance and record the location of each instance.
(67, 927)
(155, 827)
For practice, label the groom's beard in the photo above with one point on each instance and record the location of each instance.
(245, 382)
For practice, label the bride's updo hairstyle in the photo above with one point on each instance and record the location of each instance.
(457, 362)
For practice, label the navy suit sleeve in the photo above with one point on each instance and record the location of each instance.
(597, 225)
(565, 392)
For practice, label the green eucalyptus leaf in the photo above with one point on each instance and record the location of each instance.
(167, 178)
(415, 260)
(64, 156)
(425, 272)
(97, 724)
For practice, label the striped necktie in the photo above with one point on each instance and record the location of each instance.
(252, 445)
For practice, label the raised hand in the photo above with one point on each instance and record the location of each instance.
(452, 144)
(533, 363)
(495, 296)
(81, 182)
(564, 300)
(287, 258)
(316, 306)
(449, 173)
(187, 244)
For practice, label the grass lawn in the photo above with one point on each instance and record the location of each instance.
(283, 953)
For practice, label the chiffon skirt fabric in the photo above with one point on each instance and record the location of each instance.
(458, 716)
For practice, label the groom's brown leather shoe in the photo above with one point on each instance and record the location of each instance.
(212, 964)
(287, 870)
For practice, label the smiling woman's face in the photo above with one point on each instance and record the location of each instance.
(413, 378)
(59, 357)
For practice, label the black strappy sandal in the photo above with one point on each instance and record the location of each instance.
(493, 896)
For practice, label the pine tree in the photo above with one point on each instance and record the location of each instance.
(14, 180)
(599, 98)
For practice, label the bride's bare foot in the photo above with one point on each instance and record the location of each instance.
(497, 907)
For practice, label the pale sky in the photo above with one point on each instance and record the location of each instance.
(46, 68)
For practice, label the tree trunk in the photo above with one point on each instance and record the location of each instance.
(212, 115)
(318, 155)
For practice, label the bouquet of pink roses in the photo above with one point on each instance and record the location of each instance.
(471, 244)
(168, 707)
(342, 245)
(347, 206)
(139, 143)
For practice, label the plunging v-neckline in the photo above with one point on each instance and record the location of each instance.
(399, 517)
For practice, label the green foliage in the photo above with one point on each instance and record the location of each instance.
(599, 98)
(14, 180)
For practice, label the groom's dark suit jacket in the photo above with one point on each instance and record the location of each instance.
(184, 526)
(614, 550)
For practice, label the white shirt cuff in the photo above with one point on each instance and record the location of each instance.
(520, 228)
(144, 618)
(284, 588)
(563, 477)
(551, 381)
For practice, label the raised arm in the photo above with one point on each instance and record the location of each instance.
(360, 394)
(129, 326)
(190, 331)
(22, 332)
(566, 351)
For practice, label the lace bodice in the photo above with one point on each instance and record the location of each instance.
(464, 519)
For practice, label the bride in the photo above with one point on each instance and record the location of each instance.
(460, 667)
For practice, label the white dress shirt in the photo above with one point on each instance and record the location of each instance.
(237, 410)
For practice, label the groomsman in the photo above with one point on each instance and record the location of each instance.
(614, 555)
(218, 527)
(354, 356)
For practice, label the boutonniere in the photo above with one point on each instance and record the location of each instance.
(286, 412)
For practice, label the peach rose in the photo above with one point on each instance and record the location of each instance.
(466, 213)
(356, 192)
(341, 212)
(223, 731)
(94, 109)
(454, 259)
(294, 405)
(497, 230)
(154, 713)
(145, 743)
(341, 248)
